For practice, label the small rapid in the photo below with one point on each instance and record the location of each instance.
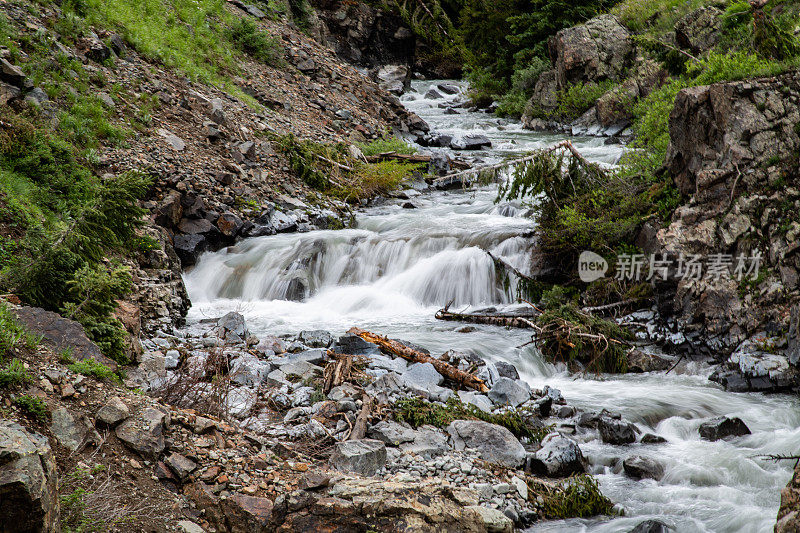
(397, 267)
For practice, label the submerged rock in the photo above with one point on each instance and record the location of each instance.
(639, 467)
(614, 431)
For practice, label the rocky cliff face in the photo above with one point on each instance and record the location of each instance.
(733, 152)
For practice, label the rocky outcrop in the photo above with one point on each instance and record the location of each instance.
(600, 50)
(699, 31)
(365, 35)
(730, 152)
(28, 481)
(789, 512)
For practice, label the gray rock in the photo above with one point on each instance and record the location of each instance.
(471, 142)
(638, 467)
(271, 345)
(302, 369)
(723, 427)
(448, 88)
(422, 375)
(397, 364)
(651, 526)
(171, 359)
(392, 433)
(315, 339)
(492, 519)
(28, 481)
(180, 465)
(506, 370)
(233, 322)
(355, 345)
(506, 391)
(700, 30)
(70, 432)
(249, 370)
(793, 352)
(481, 401)
(429, 442)
(614, 431)
(433, 94)
(559, 457)
(495, 443)
(395, 79)
(363, 457)
(144, 433)
(113, 412)
(315, 356)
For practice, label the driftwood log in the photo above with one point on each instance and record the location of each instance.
(492, 320)
(360, 425)
(401, 350)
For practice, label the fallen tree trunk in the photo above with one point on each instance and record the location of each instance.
(337, 371)
(360, 426)
(445, 369)
(492, 320)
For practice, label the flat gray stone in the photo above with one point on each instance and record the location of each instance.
(559, 457)
(495, 443)
(363, 457)
(392, 433)
(113, 412)
(506, 391)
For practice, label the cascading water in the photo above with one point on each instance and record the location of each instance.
(399, 266)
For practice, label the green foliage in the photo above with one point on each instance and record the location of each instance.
(523, 82)
(33, 406)
(244, 33)
(13, 336)
(14, 374)
(383, 146)
(95, 369)
(654, 15)
(576, 497)
(577, 99)
(419, 412)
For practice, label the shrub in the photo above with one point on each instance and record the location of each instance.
(418, 412)
(577, 99)
(523, 82)
(95, 369)
(576, 497)
(34, 407)
(14, 374)
(246, 36)
(12, 335)
(382, 146)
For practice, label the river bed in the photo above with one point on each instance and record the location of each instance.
(397, 267)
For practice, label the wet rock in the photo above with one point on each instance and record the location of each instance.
(355, 345)
(506, 391)
(496, 444)
(471, 142)
(614, 431)
(234, 323)
(180, 465)
(395, 79)
(649, 438)
(28, 481)
(723, 427)
(651, 526)
(639, 361)
(433, 94)
(229, 224)
(363, 457)
(448, 88)
(316, 338)
(189, 248)
(559, 457)
(638, 467)
(113, 412)
(144, 433)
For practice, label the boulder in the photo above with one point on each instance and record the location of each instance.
(233, 323)
(544, 100)
(493, 519)
(700, 30)
(355, 345)
(392, 433)
(507, 391)
(61, 332)
(601, 49)
(613, 431)
(433, 94)
(28, 481)
(496, 444)
(363, 457)
(144, 433)
(422, 375)
(113, 412)
(395, 79)
(638, 467)
(471, 142)
(72, 432)
(448, 88)
(180, 465)
(247, 513)
(640, 361)
(481, 401)
(316, 338)
(428, 442)
(12, 74)
(189, 247)
(559, 457)
(793, 351)
(651, 526)
(229, 224)
(723, 427)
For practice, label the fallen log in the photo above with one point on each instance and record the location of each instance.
(336, 372)
(492, 320)
(401, 350)
(360, 425)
